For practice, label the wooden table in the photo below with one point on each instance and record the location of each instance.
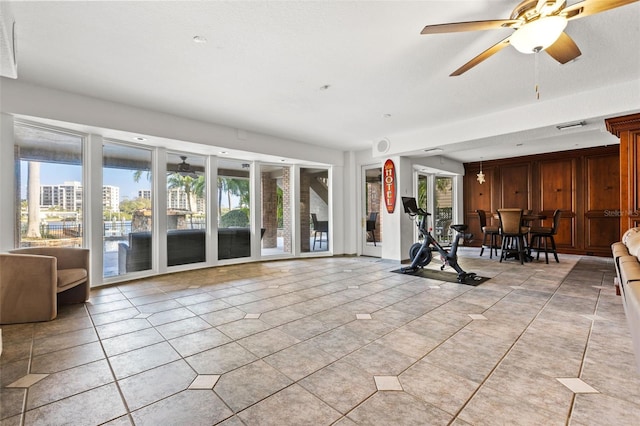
(526, 221)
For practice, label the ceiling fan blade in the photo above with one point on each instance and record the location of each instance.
(564, 49)
(457, 27)
(591, 7)
(481, 57)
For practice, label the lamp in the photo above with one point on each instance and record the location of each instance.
(537, 35)
(480, 176)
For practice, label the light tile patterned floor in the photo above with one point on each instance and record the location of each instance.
(332, 341)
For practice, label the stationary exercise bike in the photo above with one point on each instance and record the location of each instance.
(422, 253)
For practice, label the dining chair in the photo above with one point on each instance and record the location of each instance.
(319, 227)
(513, 233)
(491, 232)
(371, 225)
(540, 235)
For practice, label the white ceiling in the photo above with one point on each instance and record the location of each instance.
(264, 64)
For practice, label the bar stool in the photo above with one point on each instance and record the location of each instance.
(513, 233)
(491, 232)
(543, 233)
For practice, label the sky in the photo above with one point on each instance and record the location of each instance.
(57, 174)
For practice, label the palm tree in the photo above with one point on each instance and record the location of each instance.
(222, 186)
(33, 200)
(239, 188)
(193, 188)
(137, 175)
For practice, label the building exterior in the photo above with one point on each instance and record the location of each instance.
(111, 198)
(177, 200)
(67, 196)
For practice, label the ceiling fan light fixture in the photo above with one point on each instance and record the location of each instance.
(184, 169)
(537, 35)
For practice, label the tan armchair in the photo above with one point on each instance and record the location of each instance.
(34, 280)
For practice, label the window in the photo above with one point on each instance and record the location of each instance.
(49, 187)
(372, 209)
(314, 209)
(127, 213)
(234, 197)
(186, 209)
(275, 184)
(443, 215)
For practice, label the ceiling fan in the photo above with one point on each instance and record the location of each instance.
(538, 24)
(183, 169)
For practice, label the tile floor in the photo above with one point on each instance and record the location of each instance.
(332, 341)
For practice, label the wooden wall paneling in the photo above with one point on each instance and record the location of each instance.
(514, 186)
(627, 129)
(602, 174)
(477, 196)
(631, 212)
(556, 189)
(532, 182)
(556, 185)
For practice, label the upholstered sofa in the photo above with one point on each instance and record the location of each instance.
(183, 246)
(626, 255)
(33, 281)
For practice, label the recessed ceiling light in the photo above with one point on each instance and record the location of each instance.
(386, 115)
(433, 150)
(223, 152)
(199, 39)
(139, 138)
(283, 160)
(519, 144)
(325, 87)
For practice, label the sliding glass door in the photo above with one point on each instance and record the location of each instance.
(276, 229)
(372, 206)
(186, 209)
(234, 211)
(443, 209)
(127, 209)
(314, 210)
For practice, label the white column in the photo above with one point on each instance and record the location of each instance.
(92, 212)
(8, 212)
(159, 240)
(211, 242)
(398, 227)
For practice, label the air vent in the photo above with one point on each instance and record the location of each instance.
(383, 146)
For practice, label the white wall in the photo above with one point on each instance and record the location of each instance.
(346, 188)
(614, 99)
(95, 115)
(398, 227)
(36, 101)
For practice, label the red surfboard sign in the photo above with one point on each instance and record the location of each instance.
(389, 184)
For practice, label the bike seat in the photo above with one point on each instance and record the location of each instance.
(458, 228)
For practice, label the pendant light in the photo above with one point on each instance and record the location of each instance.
(480, 176)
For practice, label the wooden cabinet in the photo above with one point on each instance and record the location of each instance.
(556, 185)
(602, 196)
(514, 185)
(627, 128)
(582, 183)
